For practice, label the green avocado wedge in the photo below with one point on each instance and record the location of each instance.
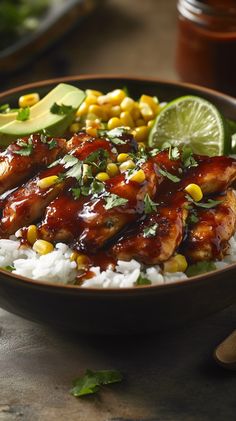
(42, 118)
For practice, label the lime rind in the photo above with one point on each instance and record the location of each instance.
(192, 121)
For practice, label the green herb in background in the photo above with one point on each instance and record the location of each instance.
(92, 380)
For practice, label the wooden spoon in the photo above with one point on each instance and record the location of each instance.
(225, 353)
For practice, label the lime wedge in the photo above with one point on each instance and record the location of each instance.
(192, 121)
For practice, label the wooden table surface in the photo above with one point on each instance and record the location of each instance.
(168, 377)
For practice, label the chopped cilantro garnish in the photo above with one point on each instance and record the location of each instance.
(26, 148)
(75, 171)
(207, 205)
(23, 114)
(193, 219)
(92, 380)
(9, 268)
(52, 144)
(200, 267)
(76, 191)
(149, 205)
(61, 109)
(113, 200)
(154, 152)
(150, 231)
(142, 281)
(69, 161)
(188, 158)
(173, 151)
(114, 135)
(167, 174)
(98, 159)
(96, 187)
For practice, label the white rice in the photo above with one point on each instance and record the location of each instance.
(57, 267)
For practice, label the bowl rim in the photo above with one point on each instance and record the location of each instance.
(129, 290)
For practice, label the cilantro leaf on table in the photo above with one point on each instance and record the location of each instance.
(23, 114)
(92, 380)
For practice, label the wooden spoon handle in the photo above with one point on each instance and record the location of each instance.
(225, 353)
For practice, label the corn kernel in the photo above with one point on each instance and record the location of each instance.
(127, 104)
(122, 157)
(116, 96)
(112, 169)
(97, 110)
(115, 111)
(43, 247)
(73, 256)
(103, 99)
(102, 176)
(113, 123)
(31, 234)
(126, 119)
(91, 99)
(91, 131)
(150, 123)
(153, 104)
(82, 110)
(127, 165)
(141, 133)
(194, 191)
(140, 122)
(146, 112)
(46, 182)
(138, 176)
(176, 263)
(93, 92)
(135, 112)
(106, 110)
(82, 261)
(28, 100)
(74, 127)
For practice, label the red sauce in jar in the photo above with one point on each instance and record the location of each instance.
(206, 43)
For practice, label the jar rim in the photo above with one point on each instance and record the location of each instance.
(197, 7)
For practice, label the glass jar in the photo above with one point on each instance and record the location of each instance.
(206, 43)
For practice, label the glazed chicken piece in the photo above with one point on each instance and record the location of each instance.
(212, 175)
(155, 239)
(28, 202)
(208, 238)
(90, 222)
(23, 158)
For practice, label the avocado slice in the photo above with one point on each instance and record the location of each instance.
(41, 118)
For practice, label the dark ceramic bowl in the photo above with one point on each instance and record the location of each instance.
(143, 309)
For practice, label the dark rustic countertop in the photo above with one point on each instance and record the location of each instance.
(169, 376)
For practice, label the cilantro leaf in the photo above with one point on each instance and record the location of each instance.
(9, 268)
(142, 281)
(69, 161)
(96, 187)
(113, 201)
(167, 174)
(26, 148)
(188, 158)
(75, 171)
(92, 380)
(149, 205)
(23, 114)
(173, 150)
(193, 219)
(207, 205)
(98, 159)
(76, 191)
(52, 144)
(115, 134)
(200, 267)
(150, 231)
(61, 109)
